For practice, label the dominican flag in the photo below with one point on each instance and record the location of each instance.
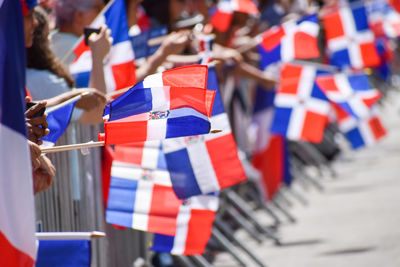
(350, 42)
(119, 68)
(270, 153)
(360, 133)
(383, 19)
(395, 4)
(352, 93)
(205, 163)
(157, 113)
(142, 199)
(289, 41)
(17, 209)
(301, 108)
(222, 14)
(64, 253)
(193, 229)
(188, 76)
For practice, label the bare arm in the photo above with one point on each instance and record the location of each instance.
(249, 71)
(175, 43)
(100, 45)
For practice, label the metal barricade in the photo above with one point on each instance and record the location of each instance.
(75, 203)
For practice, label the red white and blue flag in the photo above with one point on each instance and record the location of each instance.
(119, 68)
(222, 14)
(148, 155)
(193, 229)
(289, 41)
(383, 19)
(17, 209)
(362, 132)
(270, 155)
(205, 163)
(301, 108)
(350, 41)
(157, 113)
(142, 199)
(352, 93)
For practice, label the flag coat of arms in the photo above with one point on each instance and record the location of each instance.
(352, 93)
(360, 132)
(17, 210)
(194, 226)
(289, 41)
(223, 13)
(142, 199)
(350, 42)
(119, 68)
(205, 163)
(147, 114)
(301, 108)
(270, 155)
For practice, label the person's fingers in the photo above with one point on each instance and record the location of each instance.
(33, 110)
(110, 40)
(28, 99)
(39, 132)
(38, 121)
(108, 33)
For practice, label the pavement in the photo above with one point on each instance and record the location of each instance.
(354, 222)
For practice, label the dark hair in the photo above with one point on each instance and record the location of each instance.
(157, 11)
(39, 56)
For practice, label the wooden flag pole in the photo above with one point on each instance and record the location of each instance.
(87, 145)
(69, 235)
(72, 147)
(63, 104)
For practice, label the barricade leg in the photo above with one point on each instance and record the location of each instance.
(227, 245)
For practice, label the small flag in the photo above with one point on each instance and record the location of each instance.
(157, 113)
(140, 42)
(301, 108)
(291, 40)
(64, 253)
(142, 199)
(360, 133)
(119, 68)
(352, 93)
(194, 226)
(205, 163)
(205, 48)
(222, 15)
(350, 42)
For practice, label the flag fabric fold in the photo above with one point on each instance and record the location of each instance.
(362, 132)
(119, 68)
(194, 225)
(17, 210)
(157, 113)
(142, 199)
(352, 93)
(205, 163)
(289, 41)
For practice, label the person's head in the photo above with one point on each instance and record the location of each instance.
(74, 15)
(30, 22)
(165, 12)
(39, 55)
